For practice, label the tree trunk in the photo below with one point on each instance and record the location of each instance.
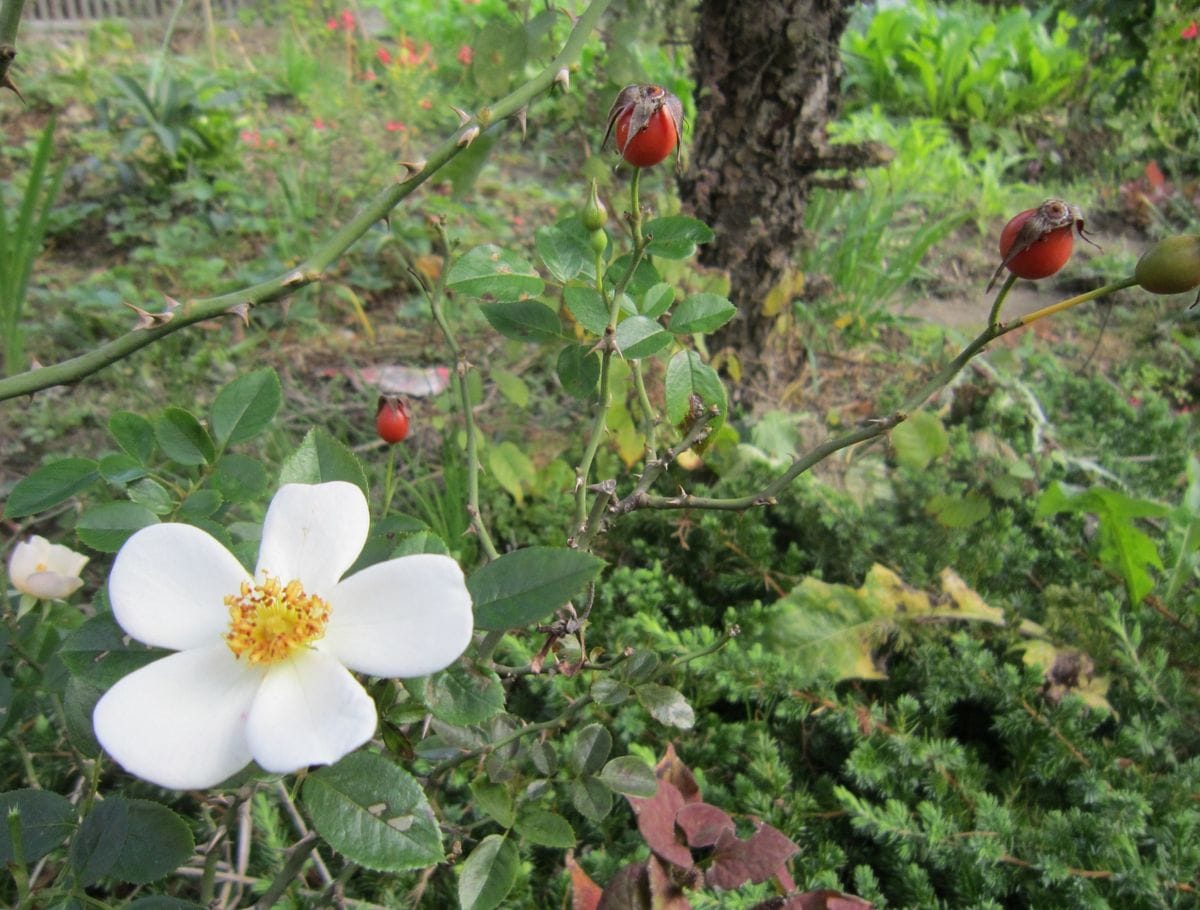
(767, 83)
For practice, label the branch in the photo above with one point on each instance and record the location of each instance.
(239, 302)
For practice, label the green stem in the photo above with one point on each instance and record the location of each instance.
(309, 271)
(994, 315)
(1068, 303)
(10, 18)
(389, 480)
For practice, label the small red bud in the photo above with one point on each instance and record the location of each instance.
(391, 419)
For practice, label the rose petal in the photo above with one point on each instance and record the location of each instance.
(169, 583)
(313, 534)
(48, 585)
(309, 711)
(405, 617)
(180, 721)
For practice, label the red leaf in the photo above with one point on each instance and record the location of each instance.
(665, 894)
(656, 821)
(702, 824)
(671, 769)
(585, 893)
(755, 859)
(1155, 176)
(628, 890)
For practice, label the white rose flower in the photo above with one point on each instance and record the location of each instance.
(45, 570)
(263, 669)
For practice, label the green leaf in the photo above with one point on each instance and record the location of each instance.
(182, 438)
(494, 800)
(153, 495)
(640, 336)
(645, 276)
(629, 775)
(591, 798)
(488, 874)
(676, 236)
(464, 696)
(46, 819)
(666, 705)
(499, 56)
(701, 313)
(512, 469)
(133, 433)
(657, 300)
(162, 902)
(492, 274)
(374, 813)
(588, 308)
(106, 527)
(688, 375)
(590, 750)
(321, 458)
(97, 652)
(958, 511)
(523, 320)
(157, 842)
(563, 253)
(512, 387)
(240, 478)
(545, 829)
(246, 407)
(527, 585)
(835, 630)
(121, 469)
(98, 843)
(578, 370)
(919, 440)
(50, 485)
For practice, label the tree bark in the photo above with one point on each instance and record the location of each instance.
(767, 76)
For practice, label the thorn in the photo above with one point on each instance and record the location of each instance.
(469, 135)
(172, 304)
(411, 168)
(563, 78)
(241, 310)
(148, 320)
(295, 278)
(7, 82)
(463, 117)
(523, 118)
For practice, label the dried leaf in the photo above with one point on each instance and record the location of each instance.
(585, 893)
(628, 890)
(755, 859)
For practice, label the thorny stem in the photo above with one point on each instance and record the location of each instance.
(311, 270)
(459, 379)
(10, 18)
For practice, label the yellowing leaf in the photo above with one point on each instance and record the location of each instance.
(787, 290)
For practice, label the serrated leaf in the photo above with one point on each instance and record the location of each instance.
(523, 320)
(588, 308)
(246, 406)
(629, 775)
(657, 300)
(493, 274)
(562, 252)
(463, 695)
(121, 469)
(182, 438)
(527, 585)
(45, 820)
(546, 829)
(701, 313)
(133, 433)
(666, 705)
(157, 842)
(488, 873)
(676, 236)
(590, 750)
(494, 800)
(50, 485)
(240, 478)
(578, 370)
(919, 440)
(374, 813)
(100, 839)
(106, 527)
(640, 336)
(688, 375)
(321, 458)
(590, 798)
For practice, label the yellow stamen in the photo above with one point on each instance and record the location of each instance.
(269, 620)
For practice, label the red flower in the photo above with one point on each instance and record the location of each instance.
(1190, 32)
(384, 57)
(319, 124)
(331, 24)
(394, 126)
(347, 19)
(425, 104)
(465, 55)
